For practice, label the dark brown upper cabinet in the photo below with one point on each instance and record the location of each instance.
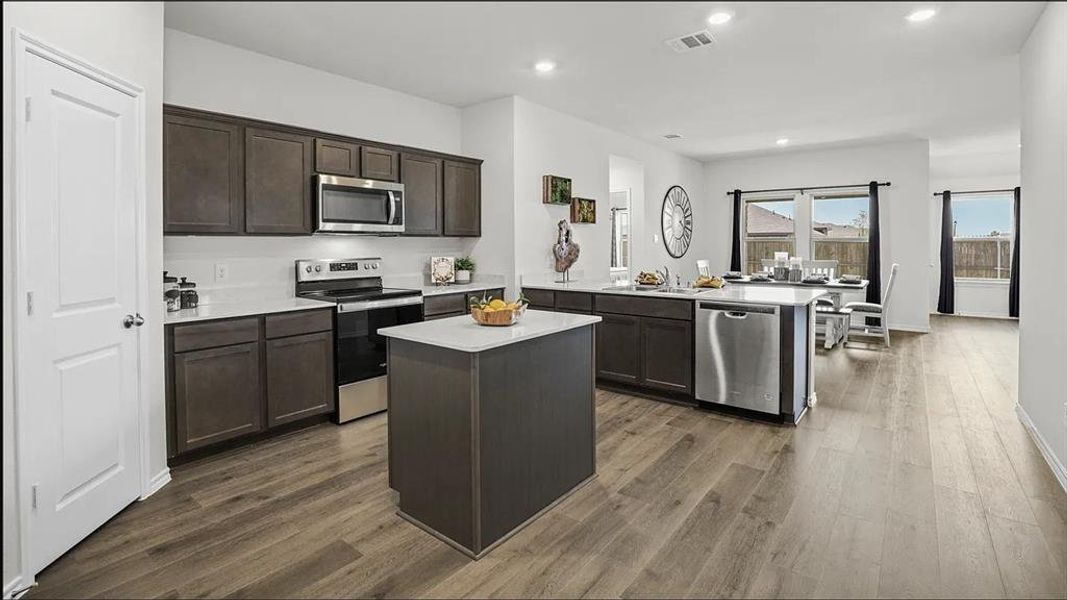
(336, 158)
(203, 176)
(277, 182)
(423, 180)
(379, 163)
(463, 199)
(299, 377)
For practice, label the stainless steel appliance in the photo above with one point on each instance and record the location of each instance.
(352, 205)
(363, 306)
(737, 356)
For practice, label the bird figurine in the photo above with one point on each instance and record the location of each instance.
(565, 249)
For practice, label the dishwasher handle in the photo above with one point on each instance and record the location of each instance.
(733, 314)
(738, 308)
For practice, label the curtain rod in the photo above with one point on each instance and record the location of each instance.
(975, 192)
(811, 187)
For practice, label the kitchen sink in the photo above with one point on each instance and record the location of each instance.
(661, 290)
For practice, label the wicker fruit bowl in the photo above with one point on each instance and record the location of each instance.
(497, 312)
(498, 318)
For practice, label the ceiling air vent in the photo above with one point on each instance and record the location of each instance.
(691, 41)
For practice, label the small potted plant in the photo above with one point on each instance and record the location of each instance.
(464, 267)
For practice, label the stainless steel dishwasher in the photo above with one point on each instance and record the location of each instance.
(737, 356)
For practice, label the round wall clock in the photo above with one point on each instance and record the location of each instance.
(677, 221)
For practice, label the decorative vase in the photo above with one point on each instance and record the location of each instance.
(463, 276)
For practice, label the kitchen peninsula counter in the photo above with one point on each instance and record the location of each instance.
(489, 427)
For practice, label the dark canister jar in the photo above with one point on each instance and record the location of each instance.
(189, 297)
(171, 293)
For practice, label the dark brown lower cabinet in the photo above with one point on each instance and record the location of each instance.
(667, 354)
(449, 305)
(618, 352)
(300, 379)
(241, 379)
(217, 395)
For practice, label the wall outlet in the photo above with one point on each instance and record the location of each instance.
(222, 272)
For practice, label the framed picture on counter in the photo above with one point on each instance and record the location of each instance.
(442, 269)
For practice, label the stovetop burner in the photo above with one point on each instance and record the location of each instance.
(356, 295)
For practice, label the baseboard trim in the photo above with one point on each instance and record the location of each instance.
(909, 328)
(161, 479)
(14, 586)
(1053, 462)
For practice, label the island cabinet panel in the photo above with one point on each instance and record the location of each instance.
(444, 305)
(618, 350)
(336, 158)
(423, 181)
(278, 168)
(379, 163)
(462, 199)
(217, 395)
(203, 176)
(300, 381)
(430, 456)
(667, 354)
(519, 417)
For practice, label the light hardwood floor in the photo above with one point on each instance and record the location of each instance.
(912, 477)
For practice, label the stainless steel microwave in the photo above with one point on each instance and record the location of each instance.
(352, 205)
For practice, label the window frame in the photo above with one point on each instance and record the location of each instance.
(1006, 270)
(815, 198)
(745, 239)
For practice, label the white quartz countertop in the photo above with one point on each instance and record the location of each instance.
(463, 334)
(753, 294)
(244, 308)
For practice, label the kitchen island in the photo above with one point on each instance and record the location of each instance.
(489, 427)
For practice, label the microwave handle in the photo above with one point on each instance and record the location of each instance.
(392, 208)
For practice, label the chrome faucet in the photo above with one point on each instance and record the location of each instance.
(666, 275)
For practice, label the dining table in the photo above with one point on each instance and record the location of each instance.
(835, 315)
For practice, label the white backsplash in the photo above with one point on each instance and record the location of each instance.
(265, 264)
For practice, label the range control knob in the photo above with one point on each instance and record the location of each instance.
(366, 265)
(318, 268)
(374, 266)
(308, 268)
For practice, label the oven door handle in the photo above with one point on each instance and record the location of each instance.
(373, 304)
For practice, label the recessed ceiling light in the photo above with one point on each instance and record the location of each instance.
(719, 18)
(921, 14)
(781, 141)
(545, 66)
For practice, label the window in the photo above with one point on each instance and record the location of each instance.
(840, 226)
(769, 227)
(982, 236)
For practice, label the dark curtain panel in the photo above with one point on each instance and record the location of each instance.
(946, 299)
(735, 249)
(1013, 286)
(874, 253)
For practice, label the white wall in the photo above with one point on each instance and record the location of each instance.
(1043, 272)
(551, 142)
(904, 207)
(973, 297)
(489, 132)
(205, 74)
(125, 38)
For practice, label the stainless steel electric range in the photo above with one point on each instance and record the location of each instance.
(363, 306)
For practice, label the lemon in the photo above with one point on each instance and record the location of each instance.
(488, 309)
(497, 303)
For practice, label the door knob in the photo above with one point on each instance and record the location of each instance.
(131, 320)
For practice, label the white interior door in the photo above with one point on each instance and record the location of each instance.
(78, 363)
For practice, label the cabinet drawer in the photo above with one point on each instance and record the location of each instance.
(540, 298)
(215, 333)
(297, 323)
(574, 301)
(645, 307)
(444, 304)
